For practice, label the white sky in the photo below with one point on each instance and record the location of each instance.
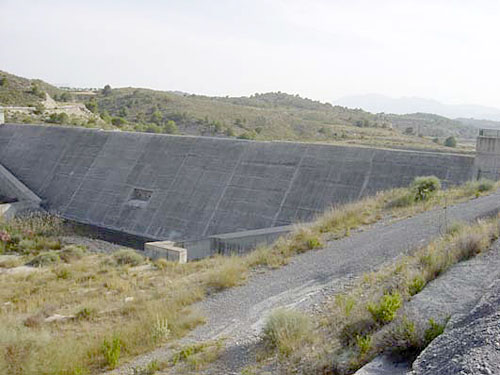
(443, 49)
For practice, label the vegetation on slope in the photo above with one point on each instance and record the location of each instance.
(366, 321)
(430, 125)
(267, 116)
(18, 91)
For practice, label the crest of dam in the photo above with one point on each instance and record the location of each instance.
(166, 187)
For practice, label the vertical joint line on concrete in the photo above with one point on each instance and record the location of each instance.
(84, 177)
(233, 172)
(172, 184)
(367, 177)
(289, 188)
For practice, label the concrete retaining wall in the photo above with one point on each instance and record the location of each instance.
(233, 243)
(184, 188)
(487, 163)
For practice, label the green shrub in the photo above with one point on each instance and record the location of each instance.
(45, 259)
(424, 187)
(434, 330)
(360, 327)
(416, 285)
(364, 344)
(385, 311)
(111, 351)
(128, 256)
(485, 185)
(450, 142)
(305, 239)
(86, 313)
(285, 330)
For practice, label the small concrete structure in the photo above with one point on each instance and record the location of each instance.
(15, 197)
(2, 116)
(233, 243)
(166, 250)
(9, 210)
(487, 162)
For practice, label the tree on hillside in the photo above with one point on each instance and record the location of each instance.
(450, 142)
(4, 82)
(92, 105)
(170, 127)
(106, 91)
(157, 117)
(35, 90)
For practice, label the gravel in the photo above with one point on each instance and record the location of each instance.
(238, 314)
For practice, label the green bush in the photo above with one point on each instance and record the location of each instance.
(111, 351)
(86, 313)
(364, 344)
(128, 256)
(45, 259)
(285, 330)
(416, 285)
(385, 310)
(450, 142)
(424, 187)
(485, 185)
(434, 330)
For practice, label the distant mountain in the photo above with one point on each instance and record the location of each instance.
(405, 105)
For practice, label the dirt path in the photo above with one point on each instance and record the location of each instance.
(238, 314)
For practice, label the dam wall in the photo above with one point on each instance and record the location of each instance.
(181, 188)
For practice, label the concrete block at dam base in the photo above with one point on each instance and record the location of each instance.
(235, 243)
(166, 250)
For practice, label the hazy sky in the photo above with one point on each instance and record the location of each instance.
(447, 50)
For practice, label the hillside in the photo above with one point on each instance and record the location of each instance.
(18, 91)
(430, 125)
(268, 116)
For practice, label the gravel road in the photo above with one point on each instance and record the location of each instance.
(238, 314)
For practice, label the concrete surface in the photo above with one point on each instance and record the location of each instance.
(487, 162)
(233, 243)
(202, 186)
(166, 250)
(11, 187)
(9, 210)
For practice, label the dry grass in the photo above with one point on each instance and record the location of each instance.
(285, 330)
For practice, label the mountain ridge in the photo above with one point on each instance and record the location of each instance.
(378, 103)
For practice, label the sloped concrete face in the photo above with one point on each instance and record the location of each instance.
(180, 187)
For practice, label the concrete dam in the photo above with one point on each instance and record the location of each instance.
(189, 189)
